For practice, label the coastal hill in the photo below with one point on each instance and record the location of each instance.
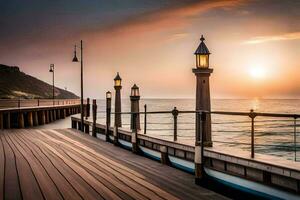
(17, 84)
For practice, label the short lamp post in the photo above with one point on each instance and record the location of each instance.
(118, 87)
(51, 70)
(202, 72)
(135, 107)
(108, 112)
(75, 59)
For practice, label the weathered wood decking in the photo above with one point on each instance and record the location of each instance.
(65, 164)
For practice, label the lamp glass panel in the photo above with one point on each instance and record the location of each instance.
(136, 92)
(108, 95)
(117, 82)
(203, 61)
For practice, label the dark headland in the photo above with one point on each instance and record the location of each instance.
(17, 84)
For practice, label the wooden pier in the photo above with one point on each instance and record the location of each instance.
(14, 114)
(66, 164)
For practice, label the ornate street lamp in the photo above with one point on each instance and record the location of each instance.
(118, 87)
(202, 72)
(51, 70)
(75, 59)
(203, 120)
(135, 107)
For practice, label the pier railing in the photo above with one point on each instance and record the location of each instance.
(19, 103)
(256, 132)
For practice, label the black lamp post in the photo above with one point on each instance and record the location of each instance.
(75, 59)
(51, 69)
(118, 87)
(135, 107)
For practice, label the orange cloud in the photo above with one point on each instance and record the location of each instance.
(273, 38)
(170, 18)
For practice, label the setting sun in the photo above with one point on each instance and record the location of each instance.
(257, 72)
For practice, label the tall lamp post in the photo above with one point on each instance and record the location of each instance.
(135, 107)
(202, 72)
(51, 70)
(118, 87)
(75, 59)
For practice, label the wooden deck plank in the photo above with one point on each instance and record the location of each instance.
(99, 187)
(150, 190)
(103, 176)
(155, 172)
(29, 186)
(11, 187)
(93, 169)
(117, 181)
(2, 168)
(67, 191)
(45, 182)
(102, 189)
(85, 165)
(77, 182)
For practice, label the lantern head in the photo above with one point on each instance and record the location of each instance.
(202, 55)
(108, 95)
(135, 91)
(75, 59)
(51, 69)
(117, 80)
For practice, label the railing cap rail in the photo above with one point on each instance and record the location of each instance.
(250, 114)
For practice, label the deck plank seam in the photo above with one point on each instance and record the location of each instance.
(15, 161)
(91, 178)
(30, 164)
(125, 160)
(47, 151)
(146, 184)
(37, 147)
(9, 136)
(54, 151)
(97, 169)
(85, 148)
(69, 133)
(33, 153)
(104, 178)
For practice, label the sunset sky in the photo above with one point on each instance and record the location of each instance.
(255, 45)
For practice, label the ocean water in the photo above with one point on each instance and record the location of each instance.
(273, 136)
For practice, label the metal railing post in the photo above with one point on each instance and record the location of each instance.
(252, 115)
(295, 138)
(145, 119)
(94, 134)
(175, 115)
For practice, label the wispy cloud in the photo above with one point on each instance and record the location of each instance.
(177, 36)
(171, 17)
(274, 38)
